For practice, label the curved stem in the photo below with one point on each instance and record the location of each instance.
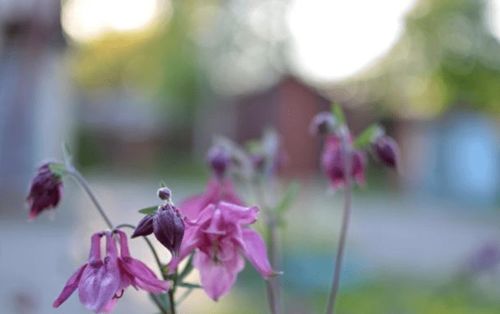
(84, 184)
(343, 229)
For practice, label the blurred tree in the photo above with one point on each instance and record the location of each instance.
(447, 56)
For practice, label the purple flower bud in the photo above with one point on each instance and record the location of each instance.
(164, 193)
(219, 158)
(333, 162)
(168, 228)
(386, 151)
(45, 191)
(144, 227)
(323, 123)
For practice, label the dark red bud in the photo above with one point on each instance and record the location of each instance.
(323, 123)
(144, 227)
(168, 228)
(219, 159)
(386, 150)
(45, 191)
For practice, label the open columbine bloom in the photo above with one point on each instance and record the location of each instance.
(333, 162)
(45, 191)
(101, 282)
(219, 237)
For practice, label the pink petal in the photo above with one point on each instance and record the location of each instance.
(143, 277)
(237, 214)
(255, 252)
(100, 281)
(70, 287)
(217, 278)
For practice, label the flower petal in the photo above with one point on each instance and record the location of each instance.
(255, 252)
(144, 227)
(70, 287)
(143, 277)
(217, 278)
(100, 281)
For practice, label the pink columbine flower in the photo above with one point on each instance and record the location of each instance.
(333, 163)
(101, 282)
(45, 191)
(219, 237)
(217, 190)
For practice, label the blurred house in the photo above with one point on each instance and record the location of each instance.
(35, 92)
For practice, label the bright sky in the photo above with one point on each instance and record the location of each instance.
(334, 39)
(86, 19)
(494, 17)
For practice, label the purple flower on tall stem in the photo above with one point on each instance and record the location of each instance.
(45, 191)
(333, 161)
(219, 237)
(166, 224)
(101, 282)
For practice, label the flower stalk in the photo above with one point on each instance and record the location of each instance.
(346, 215)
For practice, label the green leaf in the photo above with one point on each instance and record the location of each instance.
(287, 199)
(365, 138)
(163, 184)
(338, 113)
(57, 168)
(148, 210)
(189, 285)
(187, 269)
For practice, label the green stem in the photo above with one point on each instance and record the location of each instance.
(84, 184)
(272, 284)
(330, 309)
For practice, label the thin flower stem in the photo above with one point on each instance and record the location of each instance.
(272, 284)
(343, 229)
(158, 304)
(184, 295)
(171, 300)
(84, 184)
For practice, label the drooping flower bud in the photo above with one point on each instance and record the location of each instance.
(164, 193)
(166, 224)
(386, 151)
(45, 191)
(323, 123)
(219, 159)
(168, 227)
(333, 162)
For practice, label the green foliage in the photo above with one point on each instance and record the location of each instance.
(366, 137)
(286, 201)
(338, 113)
(148, 210)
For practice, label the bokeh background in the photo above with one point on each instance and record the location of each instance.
(139, 88)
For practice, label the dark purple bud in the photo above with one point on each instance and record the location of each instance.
(386, 151)
(323, 123)
(219, 159)
(333, 162)
(144, 227)
(168, 227)
(164, 193)
(45, 191)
